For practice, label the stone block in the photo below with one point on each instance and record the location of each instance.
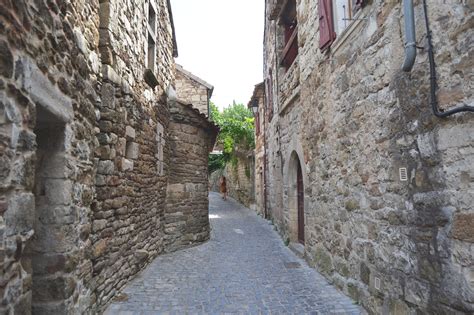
(174, 188)
(417, 292)
(108, 96)
(43, 92)
(323, 261)
(103, 138)
(56, 214)
(426, 145)
(121, 146)
(106, 167)
(58, 238)
(58, 191)
(99, 248)
(463, 227)
(50, 308)
(364, 273)
(126, 165)
(80, 40)
(455, 137)
(47, 289)
(52, 263)
(20, 216)
(6, 60)
(11, 112)
(99, 225)
(129, 133)
(132, 150)
(109, 74)
(141, 255)
(23, 306)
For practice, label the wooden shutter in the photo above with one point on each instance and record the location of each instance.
(270, 96)
(326, 26)
(257, 124)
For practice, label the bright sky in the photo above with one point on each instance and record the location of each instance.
(221, 41)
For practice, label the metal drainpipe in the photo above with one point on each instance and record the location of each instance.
(410, 36)
(433, 80)
(265, 211)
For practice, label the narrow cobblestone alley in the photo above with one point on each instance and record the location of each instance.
(244, 269)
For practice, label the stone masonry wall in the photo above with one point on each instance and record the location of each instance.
(240, 180)
(192, 137)
(127, 226)
(84, 160)
(259, 181)
(47, 77)
(397, 247)
(192, 92)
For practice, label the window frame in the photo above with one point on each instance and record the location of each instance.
(151, 44)
(289, 23)
(337, 35)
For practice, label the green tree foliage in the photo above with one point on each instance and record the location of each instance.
(236, 123)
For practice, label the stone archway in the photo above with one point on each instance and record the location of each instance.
(296, 199)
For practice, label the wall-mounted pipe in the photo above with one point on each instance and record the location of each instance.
(410, 36)
(433, 81)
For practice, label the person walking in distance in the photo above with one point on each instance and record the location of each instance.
(223, 188)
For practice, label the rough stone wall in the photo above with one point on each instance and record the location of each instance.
(83, 151)
(240, 180)
(191, 139)
(127, 226)
(192, 92)
(259, 169)
(395, 246)
(123, 42)
(44, 68)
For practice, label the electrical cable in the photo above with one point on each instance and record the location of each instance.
(433, 79)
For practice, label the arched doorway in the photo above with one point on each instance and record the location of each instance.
(296, 199)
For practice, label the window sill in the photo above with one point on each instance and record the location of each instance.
(150, 78)
(342, 38)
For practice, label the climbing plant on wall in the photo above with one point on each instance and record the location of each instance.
(236, 123)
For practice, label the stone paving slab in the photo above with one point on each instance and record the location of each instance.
(244, 269)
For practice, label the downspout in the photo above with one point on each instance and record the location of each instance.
(433, 83)
(410, 56)
(265, 211)
(410, 36)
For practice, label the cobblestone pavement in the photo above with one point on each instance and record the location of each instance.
(244, 269)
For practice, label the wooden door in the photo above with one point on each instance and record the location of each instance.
(300, 196)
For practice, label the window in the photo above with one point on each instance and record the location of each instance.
(344, 11)
(160, 140)
(290, 31)
(269, 93)
(257, 124)
(334, 17)
(150, 72)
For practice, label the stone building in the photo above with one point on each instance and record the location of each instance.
(88, 127)
(187, 214)
(373, 189)
(191, 89)
(258, 100)
(239, 178)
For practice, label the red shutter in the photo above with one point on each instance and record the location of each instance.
(326, 26)
(270, 96)
(257, 124)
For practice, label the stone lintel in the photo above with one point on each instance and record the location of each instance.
(43, 92)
